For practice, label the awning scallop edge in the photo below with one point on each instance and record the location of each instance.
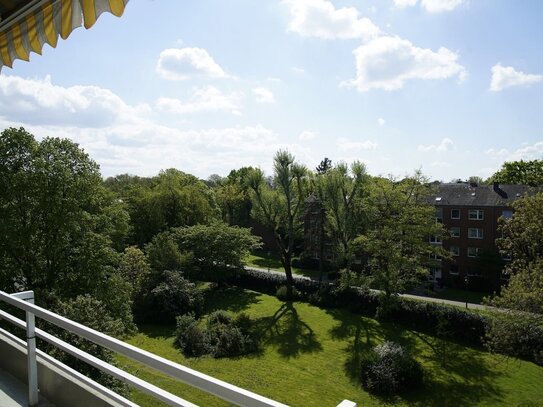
(42, 22)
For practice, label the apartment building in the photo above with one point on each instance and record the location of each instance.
(470, 212)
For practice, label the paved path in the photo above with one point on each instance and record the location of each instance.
(409, 296)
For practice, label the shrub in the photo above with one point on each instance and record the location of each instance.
(281, 293)
(389, 370)
(190, 337)
(172, 295)
(222, 336)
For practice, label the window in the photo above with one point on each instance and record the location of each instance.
(439, 215)
(455, 251)
(455, 213)
(475, 233)
(507, 214)
(474, 252)
(434, 273)
(455, 232)
(476, 214)
(453, 269)
(435, 257)
(435, 240)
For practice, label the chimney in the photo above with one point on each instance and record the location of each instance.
(498, 190)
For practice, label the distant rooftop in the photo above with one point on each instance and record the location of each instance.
(464, 194)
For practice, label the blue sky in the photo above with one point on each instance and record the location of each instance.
(454, 87)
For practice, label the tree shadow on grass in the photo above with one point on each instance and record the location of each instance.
(230, 299)
(455, 375)
(157, 331)
(288, 332)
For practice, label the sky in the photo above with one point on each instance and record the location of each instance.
(451, 87)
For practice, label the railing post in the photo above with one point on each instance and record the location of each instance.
(32, 364)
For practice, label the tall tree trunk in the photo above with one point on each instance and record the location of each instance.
(287, 265)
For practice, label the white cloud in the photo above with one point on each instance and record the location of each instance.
(344, 144)
(208, 98)
(388, 62)
(263, 95)
(506, 76)
(445, 145)
(124, 138)
(529, 152)
(39, 101)
(319, 18)
(432, 6)
(441, 164)
(298, 70)
(497, 153)
(381, 121)
(307, 135)
(178, 64)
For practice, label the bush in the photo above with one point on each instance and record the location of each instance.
(223, 336)
(281, 293)
(172, 295)
(389, 370)
(190, 337)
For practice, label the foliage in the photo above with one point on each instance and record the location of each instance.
(57, 221)
(519, 172)
(278, 206)
(94, 314)
(222, 336)
(324, 166)
(233, 198)
(164, 253)
(282, 293)
(169, 296)
(396, 246)
(522, 235)
(135, 269)
(389, 370)
(342, 190)
(216, 246)
(170, 199)
(516, 334)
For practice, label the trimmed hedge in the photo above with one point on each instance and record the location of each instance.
(448, 322)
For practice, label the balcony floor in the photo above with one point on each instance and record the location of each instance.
(13, 392)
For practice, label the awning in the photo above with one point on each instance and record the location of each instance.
(26, 26)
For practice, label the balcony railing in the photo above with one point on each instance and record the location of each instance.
(219, 388)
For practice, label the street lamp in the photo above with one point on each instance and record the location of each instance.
(466, 283)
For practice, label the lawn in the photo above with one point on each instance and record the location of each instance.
(454, 294)
(310, 359)
(270, 260)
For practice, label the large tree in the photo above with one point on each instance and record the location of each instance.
(341, 190)
(278, 205)
(55, 216)
(513, 330)
(520, 172)
(396, 243)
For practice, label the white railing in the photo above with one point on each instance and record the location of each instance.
(219, 388)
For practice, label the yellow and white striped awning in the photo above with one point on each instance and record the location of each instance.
(26, 26)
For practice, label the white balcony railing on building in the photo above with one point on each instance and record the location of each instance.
(219, 388)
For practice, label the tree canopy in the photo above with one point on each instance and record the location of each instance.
(520, 172)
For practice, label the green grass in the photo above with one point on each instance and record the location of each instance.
(454, 294)
(310, 358)
(261, 259)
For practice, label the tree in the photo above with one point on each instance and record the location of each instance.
(277, 206)
(515, 330)
(396, 245)
(55, 217)
(341, 190)
(475, 179)
(135, 269)
(520, 172)
(324, 166)
(216, 247)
